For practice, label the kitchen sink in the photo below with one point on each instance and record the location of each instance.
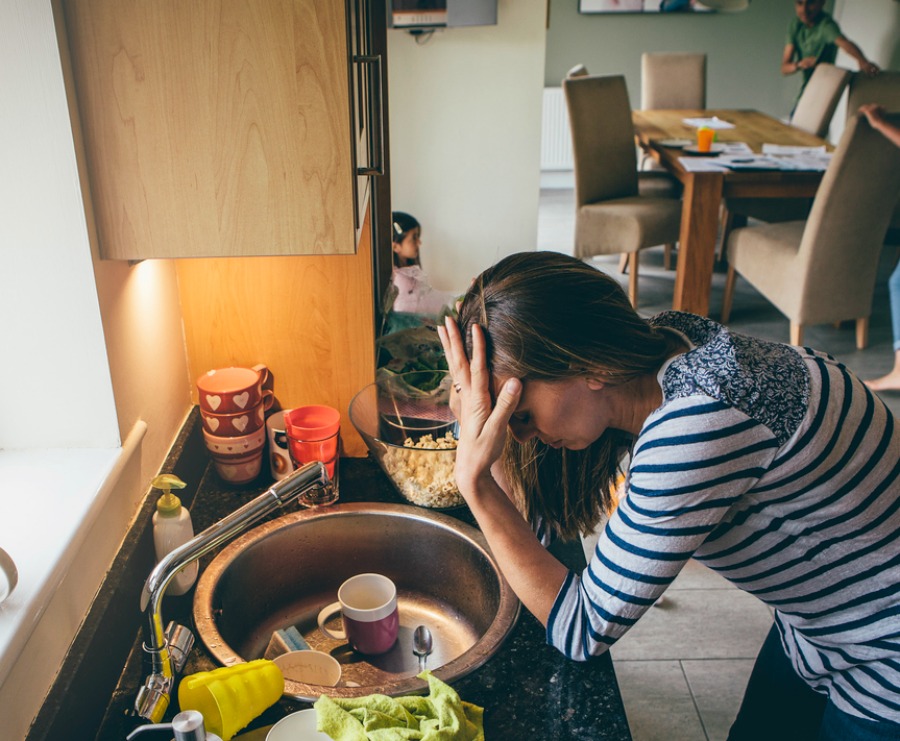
(282, 573)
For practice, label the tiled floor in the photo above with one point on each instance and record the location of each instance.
(683, 668)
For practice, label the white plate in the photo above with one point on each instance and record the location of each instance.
(675, 143)
(299, 726)
(309, 667)
(9, 575)
(714, 150)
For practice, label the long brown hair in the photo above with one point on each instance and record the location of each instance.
(550, 317)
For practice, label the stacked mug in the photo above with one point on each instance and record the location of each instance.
(233, 405)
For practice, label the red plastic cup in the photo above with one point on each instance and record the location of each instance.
(314, 434)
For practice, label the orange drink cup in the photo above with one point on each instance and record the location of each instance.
(705, 139)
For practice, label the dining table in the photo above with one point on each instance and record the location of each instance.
(663, 134)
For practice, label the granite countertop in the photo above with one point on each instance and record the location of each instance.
(528, 689)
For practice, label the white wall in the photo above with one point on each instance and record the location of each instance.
(465, 120)
(874, 25)
(89, 352)
(54, 375)
(743, 50)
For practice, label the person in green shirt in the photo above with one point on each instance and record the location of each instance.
(813, 37)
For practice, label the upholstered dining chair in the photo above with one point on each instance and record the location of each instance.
(673, 80)
(883, 89)
(611, 216)
(820, 99)
(813, 114)
(823, 270)
(650, 183)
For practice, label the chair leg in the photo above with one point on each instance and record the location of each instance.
(796, 333)
(623, 262)
(667, 255)
(726, 218)
(730, 222)
(862, 333)
(727, 295)
(633, 279)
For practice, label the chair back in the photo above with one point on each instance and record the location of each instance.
(845, 231)
(883, 88)
(673, 80)
(820, 98)
(602, 138)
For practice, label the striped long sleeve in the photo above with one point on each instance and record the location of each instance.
(778, 469)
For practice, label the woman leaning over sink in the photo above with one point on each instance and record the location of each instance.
(773, 465)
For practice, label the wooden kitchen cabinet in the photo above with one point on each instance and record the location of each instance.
(219, 127)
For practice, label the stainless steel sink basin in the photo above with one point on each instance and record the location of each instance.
(284, 571)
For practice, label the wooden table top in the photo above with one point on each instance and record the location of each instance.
(752, 127)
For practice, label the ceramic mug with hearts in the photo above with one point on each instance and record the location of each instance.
(235, 447)
(241, 423)
(232, 390)
(238, 460)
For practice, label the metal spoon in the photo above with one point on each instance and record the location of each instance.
(422, 644)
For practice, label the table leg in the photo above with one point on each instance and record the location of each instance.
(697, 243)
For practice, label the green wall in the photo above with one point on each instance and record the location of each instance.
(743, 50)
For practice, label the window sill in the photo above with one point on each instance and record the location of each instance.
(51, 499)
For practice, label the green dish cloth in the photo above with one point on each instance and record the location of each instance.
(441, 716)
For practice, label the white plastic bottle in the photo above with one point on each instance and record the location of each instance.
(172, 527)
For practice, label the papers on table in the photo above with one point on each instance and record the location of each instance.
(739, 157)
(799, 158)
(711, 123)
(716, 164)
(792, 150)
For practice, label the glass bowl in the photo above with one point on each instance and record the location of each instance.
(406, 422)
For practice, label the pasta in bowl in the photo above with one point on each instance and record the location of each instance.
(406, 422)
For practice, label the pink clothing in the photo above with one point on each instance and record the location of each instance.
(415, 295)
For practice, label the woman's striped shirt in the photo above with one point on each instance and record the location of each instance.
(777, 468)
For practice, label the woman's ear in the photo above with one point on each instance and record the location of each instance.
(595, 384)
(395, 246)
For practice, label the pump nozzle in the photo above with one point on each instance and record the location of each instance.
(168, 504)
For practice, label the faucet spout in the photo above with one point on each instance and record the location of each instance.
(169, 649)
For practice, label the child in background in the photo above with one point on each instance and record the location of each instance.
(412, 308)
(410, 291)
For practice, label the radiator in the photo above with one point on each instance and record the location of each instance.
(556, 141)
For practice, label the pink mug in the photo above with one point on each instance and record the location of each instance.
(368, 605)
(232, 390)
(238, 460)
(242, 423)
(234, 447)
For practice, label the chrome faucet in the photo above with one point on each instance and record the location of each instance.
(169, 650)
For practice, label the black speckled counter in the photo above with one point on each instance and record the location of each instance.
(528, 689)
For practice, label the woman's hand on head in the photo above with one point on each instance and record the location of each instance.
(482, 420)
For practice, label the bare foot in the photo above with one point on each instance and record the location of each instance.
(890, 382)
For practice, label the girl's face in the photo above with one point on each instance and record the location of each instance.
(562, 414)
(408, 248)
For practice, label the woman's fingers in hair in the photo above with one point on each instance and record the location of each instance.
(451, 341)
(505, 405)
(478, 364)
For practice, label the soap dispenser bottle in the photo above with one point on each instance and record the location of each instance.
(172, 528)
